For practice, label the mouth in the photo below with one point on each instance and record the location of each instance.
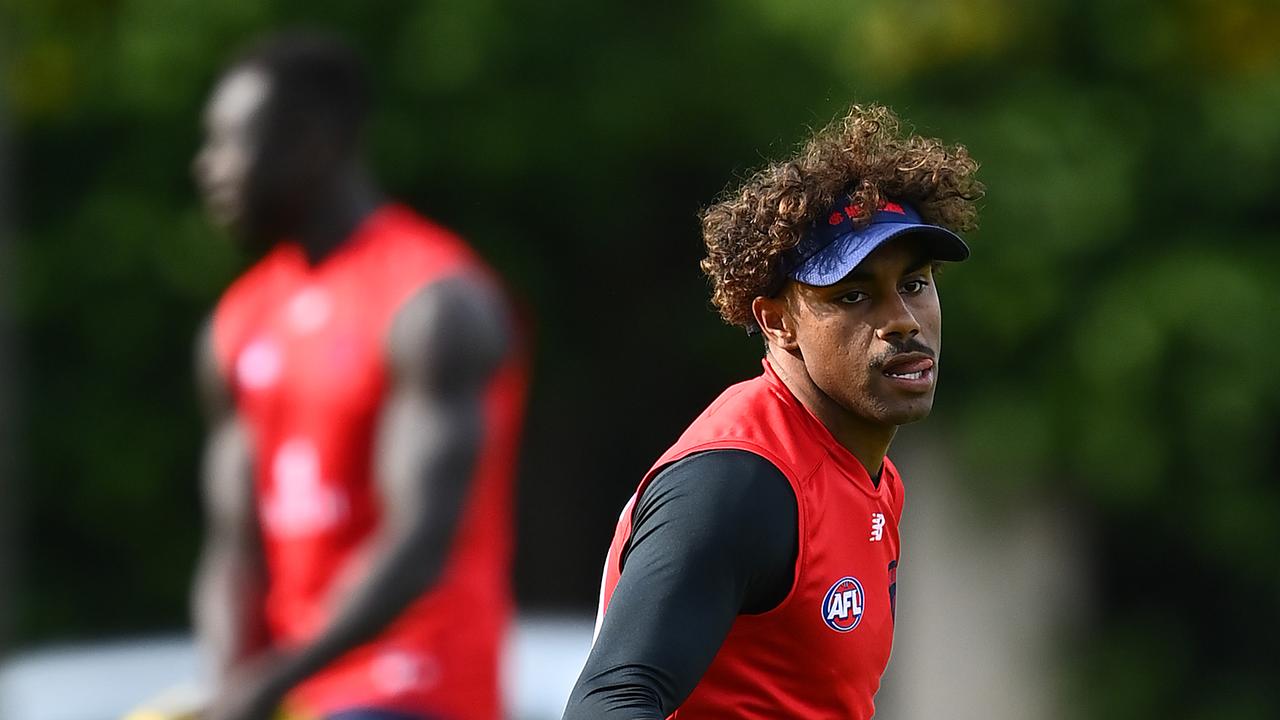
(910, 371)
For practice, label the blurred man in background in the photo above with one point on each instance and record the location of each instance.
(364, 384)
(753, 573)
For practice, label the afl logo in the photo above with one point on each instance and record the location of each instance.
(842, 607)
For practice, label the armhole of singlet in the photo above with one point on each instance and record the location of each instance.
(243, 299)
(221, 343)
(802, 525)
(457, 267)
(773, 459)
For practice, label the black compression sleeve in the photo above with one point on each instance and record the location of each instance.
(714, 535)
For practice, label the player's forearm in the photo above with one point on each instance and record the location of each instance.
(227, 603)
(626, 693)
(399, 573)
(427, 457)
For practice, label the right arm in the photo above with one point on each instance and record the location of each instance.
(714, 536)
(230, 579)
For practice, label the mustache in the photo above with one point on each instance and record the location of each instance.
(907, 346)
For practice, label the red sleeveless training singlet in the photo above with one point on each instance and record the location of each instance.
(303, 348)
(819, 654)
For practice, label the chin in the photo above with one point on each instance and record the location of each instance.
(899, 411)
(907, 417)
(905, 413)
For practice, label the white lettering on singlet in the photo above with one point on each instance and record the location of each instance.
(299, 502)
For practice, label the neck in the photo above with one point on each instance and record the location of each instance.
(336, 213)
(866, 440)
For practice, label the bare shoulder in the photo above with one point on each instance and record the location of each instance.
(451, 329)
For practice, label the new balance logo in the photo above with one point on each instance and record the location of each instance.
(877, 527)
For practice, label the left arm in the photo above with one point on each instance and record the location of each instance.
(443, 349)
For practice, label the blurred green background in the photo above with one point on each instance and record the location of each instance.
(1110, 345)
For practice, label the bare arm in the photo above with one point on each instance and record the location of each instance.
(229, 582)
(443, 349)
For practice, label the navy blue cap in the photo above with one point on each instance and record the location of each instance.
(834, 247)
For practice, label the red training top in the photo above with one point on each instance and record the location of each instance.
(820, 653)
(304, 350)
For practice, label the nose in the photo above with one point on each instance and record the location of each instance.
(899, 323)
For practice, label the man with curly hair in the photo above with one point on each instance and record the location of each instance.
(753, 573)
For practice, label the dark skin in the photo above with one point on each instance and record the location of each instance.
(444, 346)
(265, 175)
(837, 348)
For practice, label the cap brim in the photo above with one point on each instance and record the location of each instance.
(840, 257)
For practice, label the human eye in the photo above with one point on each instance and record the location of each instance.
(853, 297)
(915, 286)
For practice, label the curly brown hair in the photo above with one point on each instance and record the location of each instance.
(866, 154)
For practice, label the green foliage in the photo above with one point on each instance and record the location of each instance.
(1110, 341)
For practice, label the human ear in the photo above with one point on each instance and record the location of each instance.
(771, 314)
